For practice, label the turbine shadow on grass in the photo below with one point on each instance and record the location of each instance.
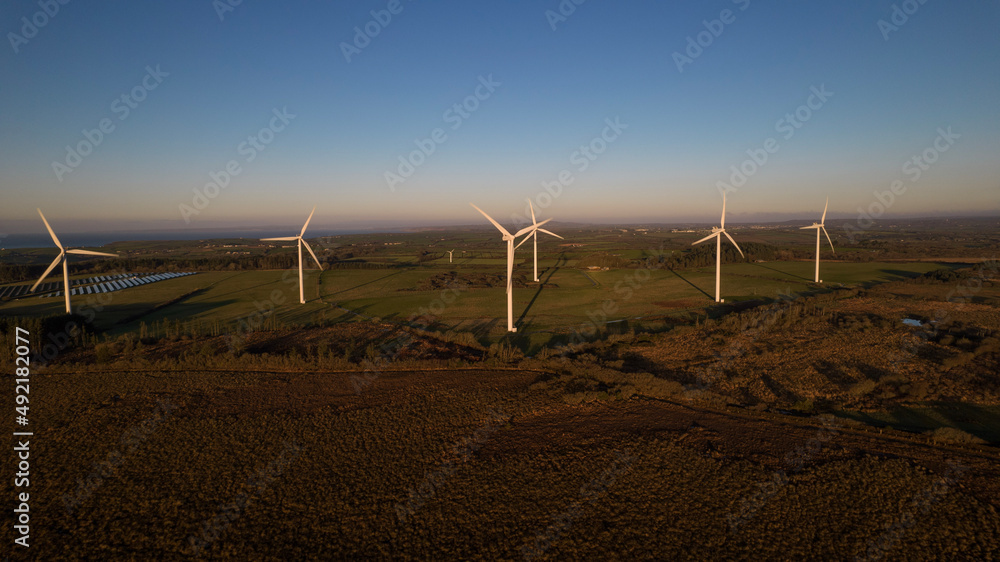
(541, 285)
(236, 291)
(977, 421)
(175, 310)
(365, 283)
(784, 272)
(699, 289)
(900, 274)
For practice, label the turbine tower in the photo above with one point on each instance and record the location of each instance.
(450, 255)
(301, 241)
(820, 226)
(717, 233)
(62, 257)
(534, 236)
(509, 238)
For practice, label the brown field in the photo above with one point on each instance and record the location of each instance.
(638, 478)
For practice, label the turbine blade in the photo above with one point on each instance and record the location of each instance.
(734, 242)
(823, 220)
(808, 227)
(723, 225)
(530, 228)
(828, 238)
(495, 223)
(47, 272)
(282, 239)
(306, 244)
(89, 253)
(526, 238)
(306, 225)
(532, 207)
(550, 233)
(51, 233)
(709, 237)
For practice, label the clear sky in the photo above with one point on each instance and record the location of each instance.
(202, 77)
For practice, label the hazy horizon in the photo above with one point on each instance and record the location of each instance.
(38, 238)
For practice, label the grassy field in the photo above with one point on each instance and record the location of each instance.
(566, 299)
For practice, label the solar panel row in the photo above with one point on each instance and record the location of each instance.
(90, 285)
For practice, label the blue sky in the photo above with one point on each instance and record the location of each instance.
(221, 80)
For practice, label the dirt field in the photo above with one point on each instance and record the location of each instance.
(278, 463)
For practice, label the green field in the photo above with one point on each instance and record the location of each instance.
(568, 298)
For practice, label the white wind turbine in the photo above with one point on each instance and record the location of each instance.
(509, 238)
(717, 233)
(534, 236)
(820, 226)
(62, 257)
(301, 241)
(449, 255)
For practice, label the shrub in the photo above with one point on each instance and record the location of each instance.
(103, 353)
(862, 388)
(954, 435)
(505, 353)
(803, 406)
(957, 360)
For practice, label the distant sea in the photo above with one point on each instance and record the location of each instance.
(97, 239)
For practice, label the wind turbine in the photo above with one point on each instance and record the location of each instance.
(301, 242)
(534, 236)
(62, 257)
(820, 226)
(717, 233)
(509, 238)
(449, 255)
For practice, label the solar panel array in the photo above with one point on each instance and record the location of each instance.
(90, 285)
